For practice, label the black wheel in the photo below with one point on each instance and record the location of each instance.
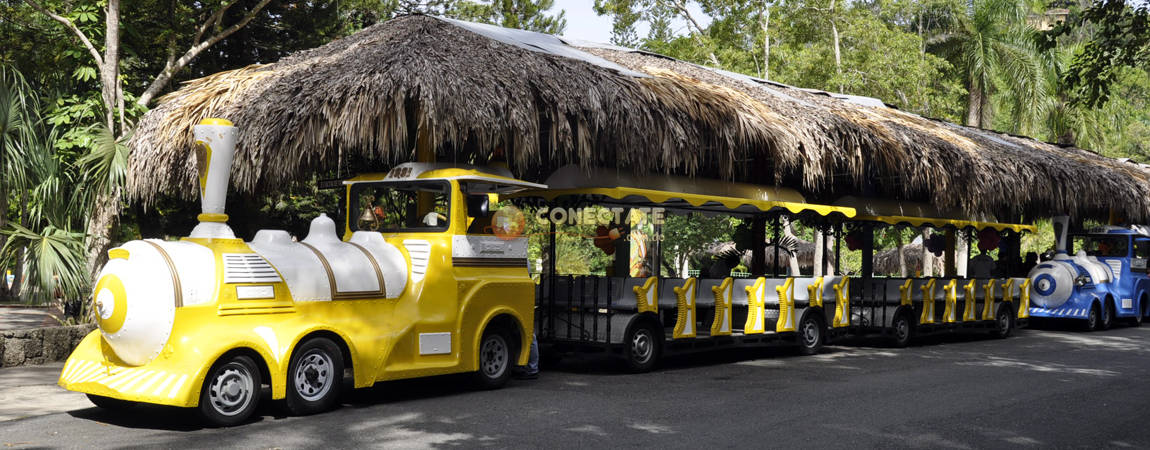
(811, 337)
(1107, 316)
(1003, 321)
(903, 330)
(496, 357)
(1094, 318)
(110, 403)
(315, 376)
(642, 347)
(231, 391)
(1139, 315)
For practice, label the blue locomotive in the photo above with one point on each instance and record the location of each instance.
(1103, 280)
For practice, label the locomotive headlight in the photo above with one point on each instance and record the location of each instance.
(1082, 280)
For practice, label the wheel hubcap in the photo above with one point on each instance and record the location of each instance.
(810, 334)
(641, 346)
(902, 328)
(494, 356)
(231, 390)
(314, 375)
(1003, 322)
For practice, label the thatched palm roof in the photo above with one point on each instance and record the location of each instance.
(418, 81)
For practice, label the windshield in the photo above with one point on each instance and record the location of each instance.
(1106, 246)
(402, 206)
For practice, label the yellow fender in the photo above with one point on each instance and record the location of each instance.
(685, 296)
(1024, 299)
(721, 326)
(1008, 290)
(904, 293)
(786, 293)
(842, 304)
(949, 311)
(647, 296)
(968, 311)
(756, 307)
(988, 301)
(927, 302)
(815, 293)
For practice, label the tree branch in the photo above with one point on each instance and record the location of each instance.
(682, 8)
(197, 47)
(76, 30)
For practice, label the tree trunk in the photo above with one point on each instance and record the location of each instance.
(110, 71)
(766, 24)
(961, 254)
(838, 54)
(18, 271)
(820, 254)
(901, 254)
(927, 256)
(974, 105)
(4, 293)
(101, 221)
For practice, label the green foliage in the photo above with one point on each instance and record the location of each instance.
(1120, 38)
(55, 260)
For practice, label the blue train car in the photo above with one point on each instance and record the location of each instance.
(1095, 278)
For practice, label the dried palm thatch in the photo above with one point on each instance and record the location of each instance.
(419, 82)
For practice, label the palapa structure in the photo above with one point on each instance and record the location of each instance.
(416, 85)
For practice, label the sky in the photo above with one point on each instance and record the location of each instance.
(583, 23)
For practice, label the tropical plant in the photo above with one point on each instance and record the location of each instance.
(993, 49)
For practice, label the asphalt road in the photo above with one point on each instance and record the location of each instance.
(1038, 388)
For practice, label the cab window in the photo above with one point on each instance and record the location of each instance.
(1142, 249)
(400, 206)
(1107, 246)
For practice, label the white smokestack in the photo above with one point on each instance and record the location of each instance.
(1061, 229)
(214, 147)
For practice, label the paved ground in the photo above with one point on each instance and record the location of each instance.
(18, 318)
(1040, 388)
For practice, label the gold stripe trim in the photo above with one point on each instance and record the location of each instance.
(489, 262)
(175, 275)
(335, 293)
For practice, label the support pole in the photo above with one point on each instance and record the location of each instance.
(868, 251)
(951, 268)
(775, 232)
(758, 245)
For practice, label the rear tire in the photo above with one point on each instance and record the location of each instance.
(231, 391)
(642, 347)
(1140, 314)
(1003, 322)
(495, 360)
(811, 335)
(109, 403)
(315, 377)
(903, 330)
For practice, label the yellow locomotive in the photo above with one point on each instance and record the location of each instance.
(407, 290)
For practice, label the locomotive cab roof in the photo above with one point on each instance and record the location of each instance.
(481, 179)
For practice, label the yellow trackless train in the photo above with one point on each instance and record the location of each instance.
(406, 291)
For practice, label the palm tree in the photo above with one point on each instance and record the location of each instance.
(993, 46)
(52, 200)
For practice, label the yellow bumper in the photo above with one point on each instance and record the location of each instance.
(89, 371)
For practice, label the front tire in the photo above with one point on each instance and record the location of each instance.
(1107, 317)
(315, 376)
(495, 359)
(1093, 318)
(109, 403)
(811, 336)
(231, 391)
(642, 348)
